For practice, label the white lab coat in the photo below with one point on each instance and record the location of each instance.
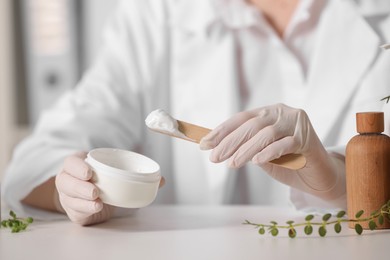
(178, 55)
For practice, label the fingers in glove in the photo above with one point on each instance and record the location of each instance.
(80, 217)
(83, 207)
(213, 138)
(86, 219)
(237, 139)
(77, 167)
(254, 145)
(257, 143)
(286, 145)
(76, 188)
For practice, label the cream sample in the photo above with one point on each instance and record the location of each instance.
(160, 121)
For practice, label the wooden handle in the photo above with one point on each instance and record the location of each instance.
(195, 133)
(291, 161)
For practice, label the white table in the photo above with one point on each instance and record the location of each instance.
(189, 232)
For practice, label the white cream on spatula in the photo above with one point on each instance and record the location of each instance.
(160, 121)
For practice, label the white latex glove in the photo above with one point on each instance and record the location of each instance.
(79, 198)
(264, 134)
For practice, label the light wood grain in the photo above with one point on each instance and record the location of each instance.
(194, 132)
(368, 168)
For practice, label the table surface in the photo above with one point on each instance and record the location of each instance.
(189, 232)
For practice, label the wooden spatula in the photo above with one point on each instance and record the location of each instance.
(195, 133)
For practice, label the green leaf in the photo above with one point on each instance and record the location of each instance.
(341, 214)
(322, 231)
(374, 213)
(358, 228)
(359, 213)
(290, 222)
(292, 233)
(372, 225)
(386, 98)
(12, 214)
(274, 232)
(273, 222)
(308, 230)
(326, 217)
(337, 227)
(261, 231)
(380, 220)
(309, 217)
(16, 224)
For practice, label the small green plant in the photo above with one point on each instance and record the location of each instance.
(376, 218)
(16, 224)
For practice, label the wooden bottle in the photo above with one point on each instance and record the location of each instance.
(368, 167)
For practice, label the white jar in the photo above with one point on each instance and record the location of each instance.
(125, 179)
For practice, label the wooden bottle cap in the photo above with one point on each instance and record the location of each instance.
(370, 122)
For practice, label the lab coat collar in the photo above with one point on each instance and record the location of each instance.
(348, 44)
(193, 15)
(237, 13)
(199, 15)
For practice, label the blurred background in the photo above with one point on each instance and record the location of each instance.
(45, 45)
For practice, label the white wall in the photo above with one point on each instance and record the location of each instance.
(6, 82)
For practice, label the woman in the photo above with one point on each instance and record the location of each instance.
(299, 70)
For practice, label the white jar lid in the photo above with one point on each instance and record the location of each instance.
(123, 164)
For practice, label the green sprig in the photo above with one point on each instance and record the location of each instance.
(386, 98)
(16, 224)
(376, 219)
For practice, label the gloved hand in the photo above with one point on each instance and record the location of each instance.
(264, 134)
(78, 197)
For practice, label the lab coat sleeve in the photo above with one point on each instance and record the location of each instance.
(106, 109)
(308, 203)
